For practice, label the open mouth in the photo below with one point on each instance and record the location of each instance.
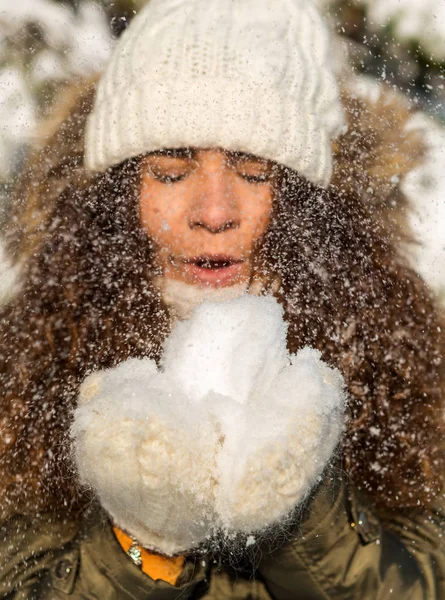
(213, 262)
(214, 270)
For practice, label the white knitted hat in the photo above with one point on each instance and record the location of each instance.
(244, 75)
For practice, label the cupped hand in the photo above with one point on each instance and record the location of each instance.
(147, 455)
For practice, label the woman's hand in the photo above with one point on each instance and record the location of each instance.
(275, 453)
(148, 455)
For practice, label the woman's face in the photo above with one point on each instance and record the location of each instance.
(205, 210)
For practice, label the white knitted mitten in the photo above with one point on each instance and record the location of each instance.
(147, 455)
(276, 451)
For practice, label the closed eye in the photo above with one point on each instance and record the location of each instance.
(168, 178)
(170, 168)
(262, 178)
(250, 168)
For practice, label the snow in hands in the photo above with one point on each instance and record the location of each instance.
(228, 436)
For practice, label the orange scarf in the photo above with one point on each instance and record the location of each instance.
(154, 565)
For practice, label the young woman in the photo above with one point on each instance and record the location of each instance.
(201, 169)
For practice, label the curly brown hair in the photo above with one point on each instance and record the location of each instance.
(87, 302)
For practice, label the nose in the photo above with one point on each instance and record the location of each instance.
(215, 207)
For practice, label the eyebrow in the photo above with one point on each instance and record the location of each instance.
(188, 153)
(246, 156)
(175, 152)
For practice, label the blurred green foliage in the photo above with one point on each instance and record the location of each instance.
(384, 57)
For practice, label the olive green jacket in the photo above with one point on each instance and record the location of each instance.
(339, 550)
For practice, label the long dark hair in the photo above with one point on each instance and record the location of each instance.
(87, 302)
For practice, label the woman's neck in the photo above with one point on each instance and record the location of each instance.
(182, 298)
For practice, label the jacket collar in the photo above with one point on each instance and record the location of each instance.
(105, 551)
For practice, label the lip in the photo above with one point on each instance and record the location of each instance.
(205, 270)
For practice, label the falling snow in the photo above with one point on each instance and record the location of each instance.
(207, 419)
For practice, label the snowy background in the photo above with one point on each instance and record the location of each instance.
(46, 43)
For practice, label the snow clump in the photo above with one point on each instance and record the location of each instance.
(236, 349)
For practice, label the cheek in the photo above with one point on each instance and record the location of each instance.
(160, 213)
(257, 208)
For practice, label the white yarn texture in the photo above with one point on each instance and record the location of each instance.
(244, 75)
(230, 435)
